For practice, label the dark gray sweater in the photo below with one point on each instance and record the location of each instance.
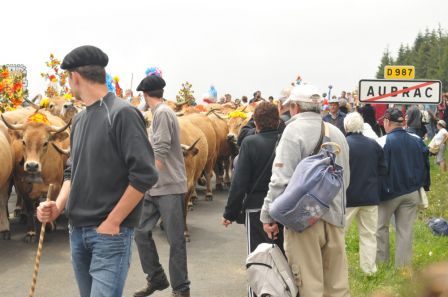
(109, 151)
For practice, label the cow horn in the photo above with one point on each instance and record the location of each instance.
(194, 144)
(34, 105)
(212, 110)
(244, 108)
(61, 150)
(12, 126)
(57, 130)
(216, 114)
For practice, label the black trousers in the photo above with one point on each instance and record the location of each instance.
(256, 235)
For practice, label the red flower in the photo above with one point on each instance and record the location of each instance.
(4, 73)
(17, 86)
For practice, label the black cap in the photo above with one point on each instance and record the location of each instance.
(83, 56)
(151, 83)
(394, 114)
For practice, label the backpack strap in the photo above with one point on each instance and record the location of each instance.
(328, 142)
(323, 131)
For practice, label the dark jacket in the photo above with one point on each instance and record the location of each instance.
(407, 162)
(249, 129)
(338, 121)
(110, 150)
(366, 168)
(256, 151)
(368, 114)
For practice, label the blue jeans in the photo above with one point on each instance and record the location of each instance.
(100, 262)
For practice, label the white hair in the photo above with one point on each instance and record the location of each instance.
(354, 123)
(307, 106)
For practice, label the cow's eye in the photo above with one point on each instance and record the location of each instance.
(23, 142)
(46, 144)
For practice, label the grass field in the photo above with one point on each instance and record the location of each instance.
(427, 247)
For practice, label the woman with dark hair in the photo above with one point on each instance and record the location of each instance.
(368, 114)
(252, 175)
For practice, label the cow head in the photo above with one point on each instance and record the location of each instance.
(60, 107)
(235, 125)
(36, 139)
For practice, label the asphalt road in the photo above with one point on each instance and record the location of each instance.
(215, 258)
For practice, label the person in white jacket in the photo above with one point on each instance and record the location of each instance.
(317, 255)
(440, 140)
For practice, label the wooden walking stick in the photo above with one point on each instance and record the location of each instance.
(39, 250)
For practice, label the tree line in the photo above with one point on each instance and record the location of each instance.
(429, 55)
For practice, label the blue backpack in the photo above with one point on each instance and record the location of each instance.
(438, 226)
(314, 184)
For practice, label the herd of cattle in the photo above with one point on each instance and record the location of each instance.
(33, 153)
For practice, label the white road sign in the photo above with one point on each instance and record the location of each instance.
(400, 91)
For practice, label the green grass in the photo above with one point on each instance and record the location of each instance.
(427, 248)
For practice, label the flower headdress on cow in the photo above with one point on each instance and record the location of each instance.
(12, 89)
(38, 117)
(237, 114)
(56, 78)
(185, 95)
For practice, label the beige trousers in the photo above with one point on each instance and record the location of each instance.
(318, 261)
(367, 219)
(405, 210)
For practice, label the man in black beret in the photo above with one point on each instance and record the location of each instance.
(165, 199)
(111, 166)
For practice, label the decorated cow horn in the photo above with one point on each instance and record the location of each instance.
(12, 126)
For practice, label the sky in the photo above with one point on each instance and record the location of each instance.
(238, 46)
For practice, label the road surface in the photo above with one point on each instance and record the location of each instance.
(215, 258)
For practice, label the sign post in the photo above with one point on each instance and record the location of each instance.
(385, 91)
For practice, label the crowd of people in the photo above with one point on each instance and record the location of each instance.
(386, 172)
(119, 179)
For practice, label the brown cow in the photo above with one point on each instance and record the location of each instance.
(39, 162)
(6, 159)
(224, 153)
(59, 106)
(206, 126)
(195, 150)
(65, 109)
(235, 125)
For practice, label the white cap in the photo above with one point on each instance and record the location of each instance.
(284, 94)
(304, 93)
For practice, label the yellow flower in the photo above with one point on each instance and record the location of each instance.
(44, 103)
(38, 118)
(67, 96)
(237, 114)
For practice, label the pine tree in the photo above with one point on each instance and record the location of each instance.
(429, 55)
(385, 60)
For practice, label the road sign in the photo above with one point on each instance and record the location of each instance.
(400, 91)
(399, 72)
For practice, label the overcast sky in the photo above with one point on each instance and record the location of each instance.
(239, 46)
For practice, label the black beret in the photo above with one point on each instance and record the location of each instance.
(394, 114)
(151, 83)
(83, 56)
